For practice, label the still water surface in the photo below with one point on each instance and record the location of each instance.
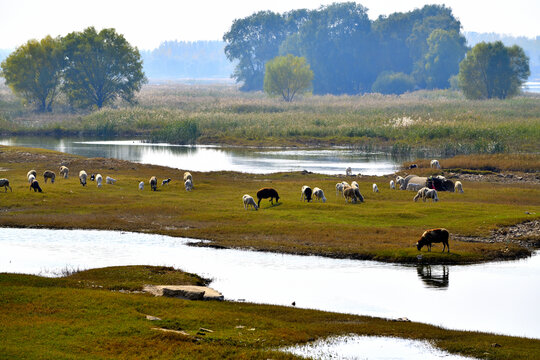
(214, 158)
(497, 297)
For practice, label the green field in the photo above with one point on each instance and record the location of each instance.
(385, 227)
(79, 317)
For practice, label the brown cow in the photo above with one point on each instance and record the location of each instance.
(434, 236)
(266, 193)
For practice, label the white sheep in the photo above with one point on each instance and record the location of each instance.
(375, 188)
(187, 176)
(435, 164)
(99, 180)
(110, 180)
(420, 194)
(458, 187)
(141, 185)
(64, 171)
(348, 171)
(414, 186)
(392, 185)
(82, 177)
(248, 200)
(319, 194)
(31, 178)
(188, 185)
(354, 184)
(339, 188)
(431, 194)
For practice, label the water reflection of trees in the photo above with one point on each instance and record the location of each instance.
(436, 277)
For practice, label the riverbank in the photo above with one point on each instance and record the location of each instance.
(101, 313)
(385, 227)
(441, 121)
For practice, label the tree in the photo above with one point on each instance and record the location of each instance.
(446, 50)
(492, 70)
(34, 70)
(393, 83)
(287, 76)
(100, 68)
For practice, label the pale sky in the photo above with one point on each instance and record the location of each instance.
(146, 24)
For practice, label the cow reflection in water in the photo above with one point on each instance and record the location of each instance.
(434, 277)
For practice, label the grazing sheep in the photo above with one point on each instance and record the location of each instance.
(306, 193)
(435, 164)
(93, 177)
(153, 183)
(64, 171)
(5, 184)
(345, 184)
(188, 184)
(434, 236)
(110, 180)
(319, 194)
(266, 193)
(420, 194)
(431, 194)
(31, 178)
(349, 193)
(339, 188)
(82, 177)
(248, 200)
(165, 182)
(414, 179)
(358, 195)
(375, 188)
(413, 166)
(354, 184)
(141, 185)
(31, 172)
(348, 171)
(48, 174)
(187, 176)
(392, 185)
(99, 180)
(414, 186)
(35, 185)
(458, 187)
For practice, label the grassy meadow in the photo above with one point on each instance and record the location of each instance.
(78, 316)
(385, 227)
(438, 120)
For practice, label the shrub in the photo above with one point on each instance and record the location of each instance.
(393, 83)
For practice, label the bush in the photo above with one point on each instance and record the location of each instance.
(393, 83)
(180, 132)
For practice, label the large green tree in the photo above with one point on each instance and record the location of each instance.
(446, 50)
(492, 70)
(33, 71)
(101, 67)
(287, 76)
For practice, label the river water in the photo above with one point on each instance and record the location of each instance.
(497, 297)
(215, 158)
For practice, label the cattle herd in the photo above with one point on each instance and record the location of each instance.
(426, 188)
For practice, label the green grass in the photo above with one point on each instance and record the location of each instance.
(44, 318)
(440, 120)
(384, 228)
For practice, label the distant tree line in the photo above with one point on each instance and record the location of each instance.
(349, 53)
(91, 68)
(187, 59)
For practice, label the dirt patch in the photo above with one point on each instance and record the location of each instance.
(526, 235)
(509, 178)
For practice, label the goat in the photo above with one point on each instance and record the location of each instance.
(434, 236)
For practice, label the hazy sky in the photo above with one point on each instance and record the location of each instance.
(146, 24)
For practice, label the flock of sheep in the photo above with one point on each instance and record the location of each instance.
(83, 177)
(424, 187)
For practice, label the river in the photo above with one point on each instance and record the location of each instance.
(500, 297)
(215, 158)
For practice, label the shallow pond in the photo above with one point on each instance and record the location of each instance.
(498, 297)
(354, 347)
(213, 158)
